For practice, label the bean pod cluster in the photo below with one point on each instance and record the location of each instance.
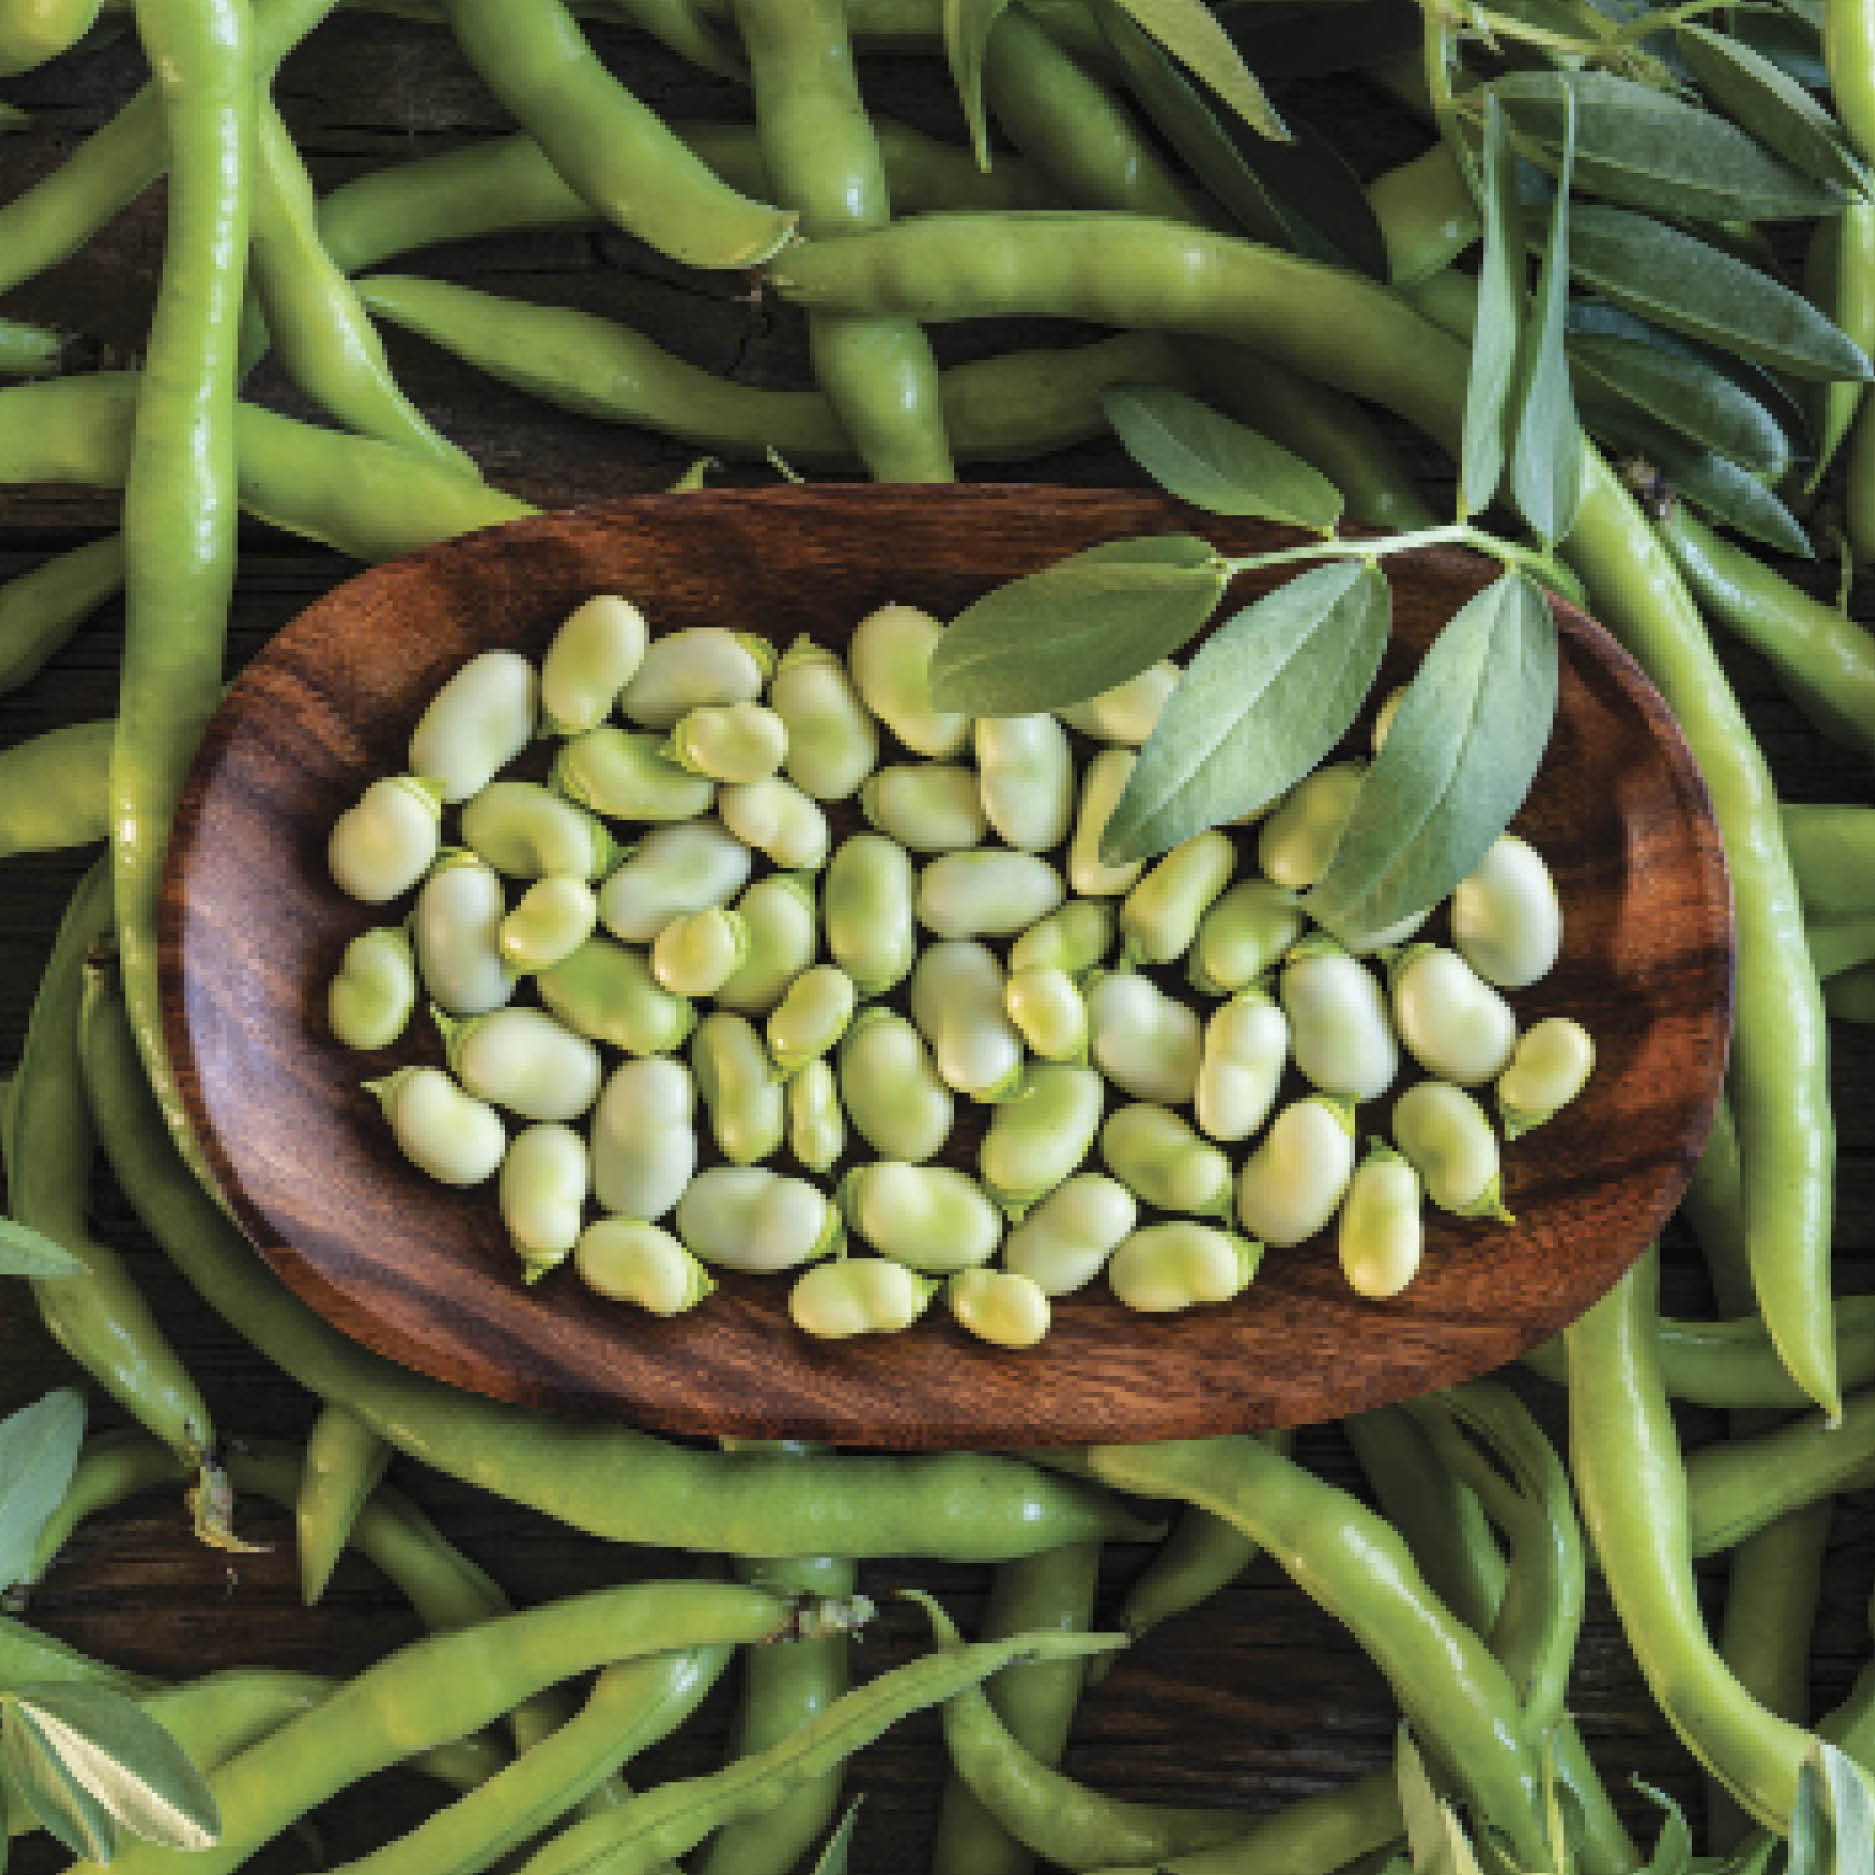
(818, 965)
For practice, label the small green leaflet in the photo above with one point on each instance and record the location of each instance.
(1646, 149)
(1189, 30)
(1456, 765)
(1546, 464)
(27, 1252)
(1078, 627)
(1834, 1799)
(1658, 273)
(833, 1858)
(1214, 463)
(967, 26)
(87, 1758)
(1497, 326)
(38, 1454)
(1269, 693)
(1434, 1836)
(1673, 1849)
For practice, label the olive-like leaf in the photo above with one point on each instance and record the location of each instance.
(1849, 1805)
(28, 1252)
(1807, 1848)
(967, 28)
(833, 1858)
(1787, 38)
(1546, 460)
(1319, 197)
(1215, 463)
(1078, 627)
(1456, 765)
(1268, 694)
(1189, 30)
(63, 1808)
(98, 1747)
(1676, 281)
(1771, 105)
(1499, 323)
(1641, 147)
(1686, 395)
(38, 1454)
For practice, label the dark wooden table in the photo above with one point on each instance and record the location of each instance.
(1256, 1700)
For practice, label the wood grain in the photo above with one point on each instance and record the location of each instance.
(253, 929)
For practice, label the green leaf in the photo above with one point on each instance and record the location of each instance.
(833, 1858)
(1435, 1838)
(1681, 283)
(1457, 763)
(1546, 463)
(28, 1252)
(1189, 30)
(1789, 42)
(967, 25)
(1687, 395)
(38, 1454)
(1499, 322)
(101, 1750)
(1647, 149)
(1078, 627)
(1269, 693)
(65, 1810)
(1673, 1848)
(1205, 458)
(1850, 1807)
(1807, 1846)
(1770, 104)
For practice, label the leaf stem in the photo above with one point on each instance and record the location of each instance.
(1541, 565)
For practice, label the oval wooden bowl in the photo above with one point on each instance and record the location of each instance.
(253, 928)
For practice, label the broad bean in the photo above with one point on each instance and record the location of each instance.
(858, 1296)
(1049, 1010)
(606, 991)
(1242, 935)
(1166, 1267)
(871, 933)
(1453, 1023)
(480, 720)
(987, 892)
(1380, 1233)
(455, 1138)
(745, 1217)
(996, 1306)
(1075, 939)
(625, 773)
(1448, 1141)
(1246, 1047)
(524, 1060)
(1549, 1068)
(1146, 1042)
(555, 917)
(893, 1096)
(811, 1018)
(816, 1125)
(644, 1142)
(384, 844)
(370, 999)
(699, 951)
(625, 1260)
(1338, 1026)
(1506, 917)
(705, 664)
(931, 807)
(1298, 840)
(957, 1003)
(672, 870)
(1129, 712)
(1064, 1243)
(748, 1114)
(542, 1190)
(735, 742)
(1291, 1184)
(589, 660)
(1159, 917)
(1035, 1140)
(890, 658)
(528, 832)
(1157, 1157)
(456, 927)
(1025, 776)
(779, 911)
(1102, 784)
(778, 820)
(928, 1216)
(833, 743)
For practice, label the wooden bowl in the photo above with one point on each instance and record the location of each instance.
(253, 927)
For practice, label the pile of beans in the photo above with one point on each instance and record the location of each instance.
(1079, 1040)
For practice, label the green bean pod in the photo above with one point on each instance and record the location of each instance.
(686, 866)
(454, 1137)
(606, 992)
(1065, 1241)
(931, 1217)
(1146, 1042)
(40, 610)
(868, 896)
(889, 655)
(893, 1095)
(811, 1018)
(628, 776)
(930, 807)
(369, 1000)
(1549, 1068)
(1102, 783)
(957, 1003)
(528, 832)
(745, 1217)
(778, 910)
(1154, 1153)
(1025, 777)
(1129, 712)
(627, 1260)
(590, 658)
(816, 1124)
(1075, 939)
(1038, 1138)
(345, 1461)
(858, 1296)
(1159, 917)
(1291, 1185)
(833, 743)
